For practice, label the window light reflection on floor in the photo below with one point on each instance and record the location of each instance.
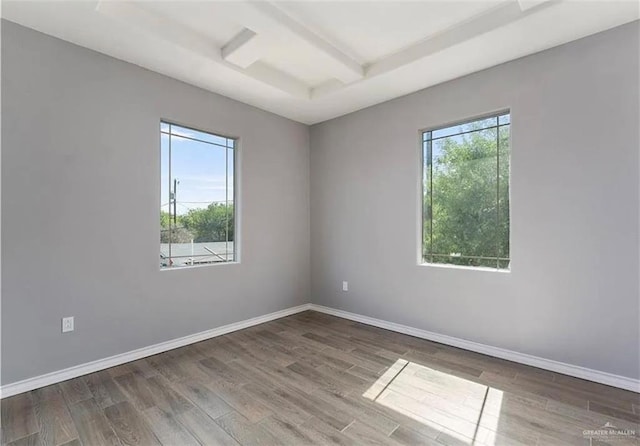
(454, 406)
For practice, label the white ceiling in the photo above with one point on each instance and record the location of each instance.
(314, 60)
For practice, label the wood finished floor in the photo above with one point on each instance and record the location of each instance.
(317, 379)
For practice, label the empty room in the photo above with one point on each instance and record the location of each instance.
(320, 222)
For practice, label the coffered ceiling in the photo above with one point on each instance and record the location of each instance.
(315, 60)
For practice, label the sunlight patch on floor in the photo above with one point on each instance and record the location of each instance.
(459, 408)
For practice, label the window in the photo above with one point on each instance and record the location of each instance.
(466, 193)
(197, 196)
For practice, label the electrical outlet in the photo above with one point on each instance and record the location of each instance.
(67, 324)
(345, 286)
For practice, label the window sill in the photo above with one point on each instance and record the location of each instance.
(463, 267)
(180, 268)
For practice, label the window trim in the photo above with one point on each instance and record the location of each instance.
(420, 257)
(237, 157)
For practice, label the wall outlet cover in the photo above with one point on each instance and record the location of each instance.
(67, 324)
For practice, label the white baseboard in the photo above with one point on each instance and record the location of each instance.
(609, 379)
(112, 361)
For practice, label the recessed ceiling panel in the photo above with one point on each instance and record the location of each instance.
(299, 60)
(374, 29)
(312, 61)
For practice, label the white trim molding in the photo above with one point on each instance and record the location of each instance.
(36, 382)
(112, 361)
(609, 379)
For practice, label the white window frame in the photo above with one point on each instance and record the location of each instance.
(236, 193)
(421, 257)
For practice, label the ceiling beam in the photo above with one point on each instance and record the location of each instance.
(244, 49)
(266, 18)
(278, 79)
(186, 38)
(501, 15)
(325, 88)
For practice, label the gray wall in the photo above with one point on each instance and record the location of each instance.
(80, 203)
(80, 175)
(572, 294)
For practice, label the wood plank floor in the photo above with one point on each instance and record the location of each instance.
(317, 379)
